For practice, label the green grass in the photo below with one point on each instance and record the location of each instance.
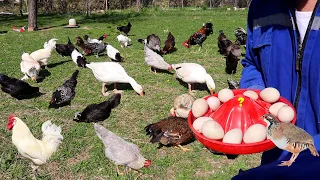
(81, 154)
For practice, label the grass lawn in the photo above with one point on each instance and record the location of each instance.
(81, 155)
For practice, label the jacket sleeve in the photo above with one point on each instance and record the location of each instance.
(251, 74)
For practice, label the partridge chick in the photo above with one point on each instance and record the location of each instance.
(289, 137)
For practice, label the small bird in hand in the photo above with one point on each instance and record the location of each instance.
(288, 137)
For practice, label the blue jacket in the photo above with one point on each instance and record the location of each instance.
(273, 58)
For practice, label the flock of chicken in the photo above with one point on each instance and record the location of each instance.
(172, 131)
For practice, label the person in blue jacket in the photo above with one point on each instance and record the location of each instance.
(283, 51)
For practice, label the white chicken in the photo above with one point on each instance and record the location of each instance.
(193, 73)
(38, 151)
(124, 40)
(29, 67)
(112, 72)
(42, 55)
(121, 151)
(154, 60)
(113, 53)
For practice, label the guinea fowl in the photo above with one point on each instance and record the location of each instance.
(125, 29)
(98, 112)
(241, 36)
(182, 105)
(194, 73)
(120, 151)
(112, 72)
(65, 93)
(171, 131)
(152, 42)
(65, 49)
(223, 43)
(155, 61)
(17, 88)
(91, 48)
(169, 44)
(200, 36)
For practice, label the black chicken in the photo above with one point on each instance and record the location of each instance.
(169, 44)
(98, 112)
(241, 36)
(223, 43)
(65, 49)
(65, 93)
(171, 131)
(125, 29)
(232, 54)
(153, 42)
(17, 88)
(200, 36)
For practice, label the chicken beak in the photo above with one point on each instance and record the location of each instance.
(212, 91)
(172, 112)
(142, 93)
(33, 78)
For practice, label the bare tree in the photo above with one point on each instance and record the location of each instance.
(32, 16)
(106, 5)
(181, 3)
(20, 7)
(138, 5)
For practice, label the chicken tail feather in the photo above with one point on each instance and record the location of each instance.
(51, 135)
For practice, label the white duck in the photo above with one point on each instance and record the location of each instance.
(193, 73)
(154, 60)
(112, 72)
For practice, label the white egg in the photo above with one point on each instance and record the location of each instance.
(199, 107)
(225, 95)
(234, 136)
(213, 102)
(197, 124)
(255, 133)
(274, 108)
(212, 130)
(286, 114)
(251, 94)
(270, 95)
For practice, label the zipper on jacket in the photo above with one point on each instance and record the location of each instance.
(301, 48)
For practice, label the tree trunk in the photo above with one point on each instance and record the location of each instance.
(32, 16)
(181, 3)
(138, 5)
(106, 5)
(20, 7)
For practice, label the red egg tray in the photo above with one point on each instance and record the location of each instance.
(239, 112)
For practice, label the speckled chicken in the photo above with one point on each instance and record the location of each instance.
(65, 93)
(17, 88)
(241, 36)
(182, 105)
(155, 61)
(120, 151)
(98, 112)
(91, 48)
(171, 131)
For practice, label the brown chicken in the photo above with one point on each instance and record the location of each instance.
(171, 131)
(91, 48)
(169, 44)
(200, 36)
(223, 43)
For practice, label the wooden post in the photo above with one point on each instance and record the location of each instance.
(32, 16)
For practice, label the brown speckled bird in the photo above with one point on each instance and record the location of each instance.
(289, 137)
(171, 131)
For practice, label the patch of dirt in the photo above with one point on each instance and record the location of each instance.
(79, 157)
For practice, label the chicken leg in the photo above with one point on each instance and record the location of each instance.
(118, 171)
(104, 91)
(115, 90)
(184, 149)
(292, 159)
(191, 92)
(35, 171)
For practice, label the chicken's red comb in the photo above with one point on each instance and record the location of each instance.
(105, 35)
(185, 44)
(170, 67)
(12, 116)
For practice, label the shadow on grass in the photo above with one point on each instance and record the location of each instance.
(196, 86)
(43, 74)
(57, 64)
